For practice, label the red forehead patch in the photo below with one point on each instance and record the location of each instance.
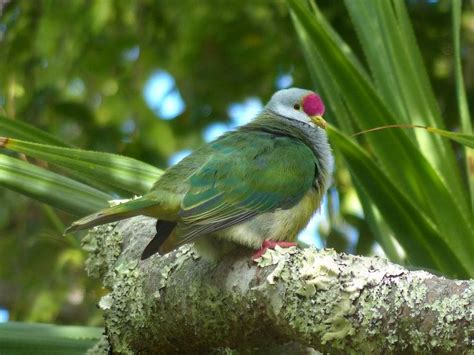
(313, 105)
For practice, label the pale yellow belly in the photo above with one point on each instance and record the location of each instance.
(279, 225)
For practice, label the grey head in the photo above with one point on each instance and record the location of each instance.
(304, 109)
(299, 105)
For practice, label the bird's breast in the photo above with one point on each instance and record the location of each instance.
(278, 225)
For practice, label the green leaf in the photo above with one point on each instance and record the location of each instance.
(48, 187)
(416, 233)
(378, 225)
(21, 130)
(110, 169)
(460, 91)
(464, 139)
(466, 124)
(461, 138)
(29, 338)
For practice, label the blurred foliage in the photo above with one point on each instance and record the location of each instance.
(77, 70)
(46, 339)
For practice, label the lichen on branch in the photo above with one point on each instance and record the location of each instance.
(331, 302)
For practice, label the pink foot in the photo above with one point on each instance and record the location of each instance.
(268, 244)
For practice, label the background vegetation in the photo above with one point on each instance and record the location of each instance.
(150, 79)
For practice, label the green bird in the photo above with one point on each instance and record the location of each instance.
(255, 187)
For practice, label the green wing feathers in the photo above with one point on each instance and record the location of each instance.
(246, 175)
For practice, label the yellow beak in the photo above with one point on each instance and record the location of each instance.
(319, 121)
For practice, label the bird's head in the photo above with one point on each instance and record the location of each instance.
(300, 105)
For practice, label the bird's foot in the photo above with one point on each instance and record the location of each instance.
(268, 244)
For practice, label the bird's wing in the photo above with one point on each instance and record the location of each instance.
(245, 175)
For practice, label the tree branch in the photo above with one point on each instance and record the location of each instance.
(320, 299)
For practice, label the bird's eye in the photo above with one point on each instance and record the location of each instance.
(296, 106)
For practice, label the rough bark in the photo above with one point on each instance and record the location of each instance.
(330, 302)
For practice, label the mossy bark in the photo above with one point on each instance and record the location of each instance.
(330, 302)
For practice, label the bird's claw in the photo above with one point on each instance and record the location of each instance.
(268, 244)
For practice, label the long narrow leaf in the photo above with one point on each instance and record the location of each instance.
(28, 338)
(461, 93)
(48, 187)
(464, 139)
(461, 138)
(466, 124)
(378, 225)
(111, 169)
(413, 229)
(21, 130)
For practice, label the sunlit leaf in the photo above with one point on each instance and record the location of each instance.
(464, 139)
(29, 338)
(111, 169)
(21, 130)
(48, 187)
(464, 114)
(461, 138)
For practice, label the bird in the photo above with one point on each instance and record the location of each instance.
(255, 187)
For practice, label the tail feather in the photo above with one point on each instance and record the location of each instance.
(112, 214)
(164, 229)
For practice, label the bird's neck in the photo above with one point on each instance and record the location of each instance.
(314, 137)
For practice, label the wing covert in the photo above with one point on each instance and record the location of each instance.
(246, 175)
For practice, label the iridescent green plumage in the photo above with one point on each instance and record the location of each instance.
(263, 181)
(242, 178)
